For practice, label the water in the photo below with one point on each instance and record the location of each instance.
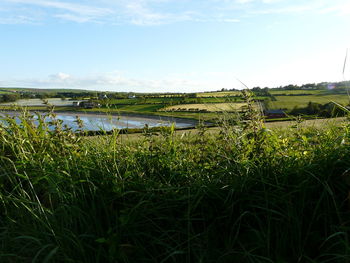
(95, 122)
(102, 122)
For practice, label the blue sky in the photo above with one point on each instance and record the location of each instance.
(172, 45)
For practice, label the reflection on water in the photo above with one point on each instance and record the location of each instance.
(107, 123)
(94, 123)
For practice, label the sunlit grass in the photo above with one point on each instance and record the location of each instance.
(289, 102)
(242, 194)
(219, 94)
(297, 92)
(210, 107)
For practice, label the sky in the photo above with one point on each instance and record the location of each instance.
(172, 45)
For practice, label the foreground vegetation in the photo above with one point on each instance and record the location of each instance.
(244, 194)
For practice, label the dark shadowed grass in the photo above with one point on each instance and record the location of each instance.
(245, 194)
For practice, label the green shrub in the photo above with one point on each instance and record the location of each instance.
(245, 194)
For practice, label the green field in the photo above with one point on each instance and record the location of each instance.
(38, 102)
(276, 126)
(210, 107)
(171, 101)
(137, 108)
(150, 110)
(296, 92)
(143, 101)
(4, 92)
(219, 94)
(149, 104)
(289, 102)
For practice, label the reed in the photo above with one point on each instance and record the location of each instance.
(245, 194)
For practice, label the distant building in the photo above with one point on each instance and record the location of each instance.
(102, 96)
(86, 104)
(271, 114)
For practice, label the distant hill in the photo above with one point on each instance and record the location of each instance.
(37, 90)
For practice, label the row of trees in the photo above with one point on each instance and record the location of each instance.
(259, 92)
(9, 97)
(12, 97)
(323, 110)
(342, 85)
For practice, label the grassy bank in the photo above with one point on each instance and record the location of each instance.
(289, 102)
(243, 194)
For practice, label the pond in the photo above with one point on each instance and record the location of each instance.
(96, 122)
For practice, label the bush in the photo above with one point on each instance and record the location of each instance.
(322, 110)
(9, 97)
(244, 194)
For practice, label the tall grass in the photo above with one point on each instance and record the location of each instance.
(246, 194)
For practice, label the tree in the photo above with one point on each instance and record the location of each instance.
(9, 97)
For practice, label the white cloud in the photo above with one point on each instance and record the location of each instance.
(229, 20)
(140, 15)
(73, 18)
(112, 81)
(137, 12)
(271, 1)
(18, 19)
(60, 77)
(244, 1)
(75, 12)
(341, 9)
(299, 7)
(75, 8)
(157, 12)
(311, 6)
(140, 12)
(300, 70)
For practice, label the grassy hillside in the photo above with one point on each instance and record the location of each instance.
(4, 92)
(289, 102)
(210, 107)
(197, 105)
(219, 94)
(296, 92)
(244, 194)
(36, 90)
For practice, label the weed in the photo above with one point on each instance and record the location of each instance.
(246, 194)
